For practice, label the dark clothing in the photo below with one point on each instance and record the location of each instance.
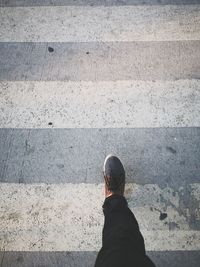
(123, 244)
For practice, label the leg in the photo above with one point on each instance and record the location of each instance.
(123, 244)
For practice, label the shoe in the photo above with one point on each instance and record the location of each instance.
(114, 176)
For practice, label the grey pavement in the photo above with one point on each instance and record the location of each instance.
(83, 61)
(167, 157)
(87, 259)
(95, 2)
(163, 156)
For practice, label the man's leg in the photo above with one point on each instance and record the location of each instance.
(123, 244)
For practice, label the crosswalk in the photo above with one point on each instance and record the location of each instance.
(81, 79)
(78, 225)
(123, 104)
(100, 24)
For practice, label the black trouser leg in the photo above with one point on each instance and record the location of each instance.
(123, 244)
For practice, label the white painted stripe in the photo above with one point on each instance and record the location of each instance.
(69, 217)
(91, 24)
(100, 104)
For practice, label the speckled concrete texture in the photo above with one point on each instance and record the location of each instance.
(69, 217)
(99, 61)
(129, 104)
(163, 156)
(88, 24)
(48, 259)
(95, 2)
(87, 259)
(82, 79)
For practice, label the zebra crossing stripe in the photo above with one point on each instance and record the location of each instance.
(57, 217)
(100, 104)
(104, 24)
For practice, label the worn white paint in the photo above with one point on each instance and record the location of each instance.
(69, 217)
(100, 104)
(91, 24)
